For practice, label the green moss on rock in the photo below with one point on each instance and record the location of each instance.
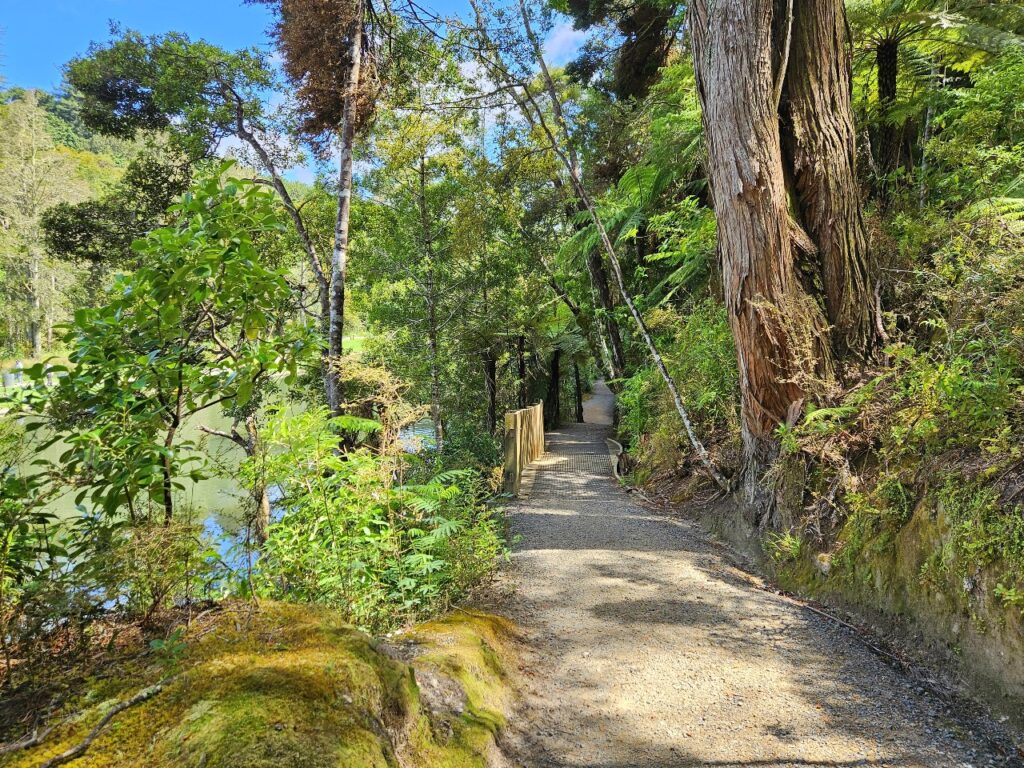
(294, 686)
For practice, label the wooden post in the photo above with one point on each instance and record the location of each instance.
(510, 474)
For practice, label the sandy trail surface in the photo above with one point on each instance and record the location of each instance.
(649, 650)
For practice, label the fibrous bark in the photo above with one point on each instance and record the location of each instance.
(773, 79)
(819, 147)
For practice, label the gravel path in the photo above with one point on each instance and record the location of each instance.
(649, 650)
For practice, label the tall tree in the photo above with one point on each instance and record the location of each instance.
(199, 95)
(328, 49)
(774, 82)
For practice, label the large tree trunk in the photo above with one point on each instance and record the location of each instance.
(819, 151)
(339, 260)
(780, 330)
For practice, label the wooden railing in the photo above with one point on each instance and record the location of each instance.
(524, 442)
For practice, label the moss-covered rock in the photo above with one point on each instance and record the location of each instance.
(294, 686)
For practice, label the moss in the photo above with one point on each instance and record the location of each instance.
(294, 686)
(470, 646)
(946, 565)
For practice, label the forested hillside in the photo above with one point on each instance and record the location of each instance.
(49, 157)
(788, 236)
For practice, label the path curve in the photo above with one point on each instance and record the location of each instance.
(648, 650)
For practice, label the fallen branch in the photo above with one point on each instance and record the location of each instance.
(79, 749)
(27, 742)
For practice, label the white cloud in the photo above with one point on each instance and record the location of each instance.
(563, 43)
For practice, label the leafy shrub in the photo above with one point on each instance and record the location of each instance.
(785, 547)
(699, 352)
(366, 533)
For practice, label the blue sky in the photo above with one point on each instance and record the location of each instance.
(37, 37)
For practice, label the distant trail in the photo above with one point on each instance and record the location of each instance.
(648, 650)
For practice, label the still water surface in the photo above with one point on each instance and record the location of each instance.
(220, 501)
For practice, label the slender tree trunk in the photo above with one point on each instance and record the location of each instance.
(277, 182)
(435, 363)
(51, 309)
(339, 260)
(553, 400)
(491, 387)
(887, 62)
(430, 291)
(579, 391)
(521, 360)
(167, 484)
(599, 275)
(602, 291)
(35, 336)
(929, 115)
(251, 445)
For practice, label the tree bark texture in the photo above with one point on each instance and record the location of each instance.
(339, 259)
(787, 205)
(819, 145)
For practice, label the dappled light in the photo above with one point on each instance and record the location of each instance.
(512, 383)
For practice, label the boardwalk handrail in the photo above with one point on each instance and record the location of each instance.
(524, 442)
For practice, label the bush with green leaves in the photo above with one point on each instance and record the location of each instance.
(57, 577)
(202, 323)
(373, 535)
(699, 351)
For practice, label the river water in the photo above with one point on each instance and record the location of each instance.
(219, 501)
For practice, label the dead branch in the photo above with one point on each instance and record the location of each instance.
(79, 749)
